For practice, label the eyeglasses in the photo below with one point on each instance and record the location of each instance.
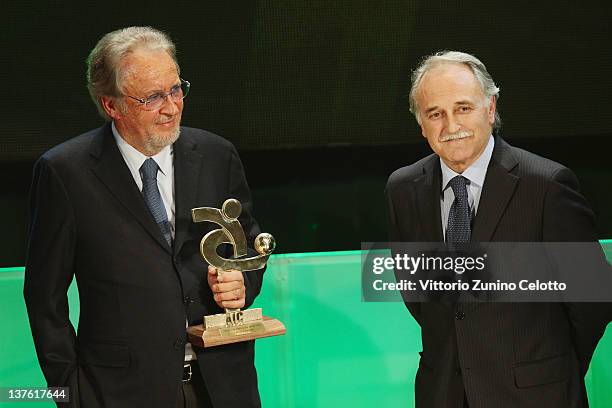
(155, 101)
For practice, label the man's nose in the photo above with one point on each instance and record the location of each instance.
(169, 106)
(452, 124)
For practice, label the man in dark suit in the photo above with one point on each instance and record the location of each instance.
(478, 188)
(112, 208)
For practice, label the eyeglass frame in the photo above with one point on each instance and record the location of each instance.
(164, 95)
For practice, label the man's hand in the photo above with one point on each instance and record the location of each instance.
(227, 287)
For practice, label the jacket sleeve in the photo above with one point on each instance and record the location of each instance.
(48, 274)
(568, 218)
(239, 189)
(395, 235)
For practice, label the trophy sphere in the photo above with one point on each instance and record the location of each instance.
(264, 243)
(231, 208)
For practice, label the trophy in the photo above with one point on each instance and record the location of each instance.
(234, 325)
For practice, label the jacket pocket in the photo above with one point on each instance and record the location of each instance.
(542, 372)
(104, 355)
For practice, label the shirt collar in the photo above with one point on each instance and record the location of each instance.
(477, 171)
(136, 158)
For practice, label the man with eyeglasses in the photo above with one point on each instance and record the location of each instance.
(112, 208)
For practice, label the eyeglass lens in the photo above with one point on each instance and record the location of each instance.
(177, 93)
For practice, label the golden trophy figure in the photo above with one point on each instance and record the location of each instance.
(235, 324)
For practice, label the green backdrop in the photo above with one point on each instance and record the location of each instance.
(338, 350)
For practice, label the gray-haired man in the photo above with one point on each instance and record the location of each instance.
(476, 187)
(112, 208)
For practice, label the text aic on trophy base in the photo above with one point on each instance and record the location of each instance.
(220, 320)
(267, 327)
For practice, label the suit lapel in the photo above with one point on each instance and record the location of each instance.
(111, 170)
(187, 169)
(428, 188)
(499, 186)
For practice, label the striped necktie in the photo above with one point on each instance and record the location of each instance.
(459, 230)
(152, 197)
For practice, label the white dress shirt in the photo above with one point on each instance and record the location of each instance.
(475, 174)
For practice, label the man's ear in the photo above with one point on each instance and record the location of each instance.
(111, 107)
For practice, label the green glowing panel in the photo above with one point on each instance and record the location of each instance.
(335, 344)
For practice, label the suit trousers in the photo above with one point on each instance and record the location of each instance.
(194, 393)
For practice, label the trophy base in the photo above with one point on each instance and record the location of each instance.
(218, 336)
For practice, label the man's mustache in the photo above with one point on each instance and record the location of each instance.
(460, 134)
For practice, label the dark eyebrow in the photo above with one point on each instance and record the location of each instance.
(464, 102)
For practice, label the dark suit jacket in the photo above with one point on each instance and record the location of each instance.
(501, 354)
(90, 221)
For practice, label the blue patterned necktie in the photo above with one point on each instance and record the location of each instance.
(459, 230)
(152, 197)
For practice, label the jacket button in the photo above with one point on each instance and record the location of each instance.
(178, 344)
(460, 315)
(187, 300)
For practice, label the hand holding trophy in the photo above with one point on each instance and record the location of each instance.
(235, 324)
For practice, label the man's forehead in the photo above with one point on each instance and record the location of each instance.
(449, 82)
(454, 70)
(149, 66)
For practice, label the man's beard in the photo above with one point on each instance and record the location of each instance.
(157, 142)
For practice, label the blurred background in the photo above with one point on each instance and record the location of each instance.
(314, 95)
